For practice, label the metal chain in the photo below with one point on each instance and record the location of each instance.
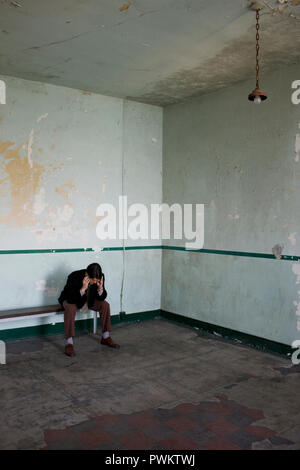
(257, 46)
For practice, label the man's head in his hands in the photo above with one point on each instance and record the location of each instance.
(94, 273)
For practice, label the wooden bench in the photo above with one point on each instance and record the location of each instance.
(43, 311)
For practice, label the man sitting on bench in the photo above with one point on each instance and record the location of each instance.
(85, 286)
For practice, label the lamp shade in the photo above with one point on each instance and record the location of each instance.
(257, 93)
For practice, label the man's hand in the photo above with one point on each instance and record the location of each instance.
(100, 284)
(85, 283)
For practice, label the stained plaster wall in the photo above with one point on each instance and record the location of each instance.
(242, 162)
(63, 152)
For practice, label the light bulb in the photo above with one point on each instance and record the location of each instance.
(257, 100)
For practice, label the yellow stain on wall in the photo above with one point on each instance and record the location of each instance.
(125, 6)
(56, 167)
(3, 183)
(23, 181)
(4, 145)
(65, 190)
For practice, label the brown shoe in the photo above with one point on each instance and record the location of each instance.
(109, 342)
(69, 350)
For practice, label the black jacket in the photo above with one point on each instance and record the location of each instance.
(71, 291)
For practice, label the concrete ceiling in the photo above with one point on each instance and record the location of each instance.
(153, 51)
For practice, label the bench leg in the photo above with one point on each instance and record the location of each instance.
(95, 323)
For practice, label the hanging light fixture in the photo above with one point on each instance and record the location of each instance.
(257, 95)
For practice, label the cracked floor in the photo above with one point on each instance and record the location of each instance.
(168, 387)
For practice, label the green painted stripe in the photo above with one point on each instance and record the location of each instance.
(256, 342)
(153, 247)
(233, 253)
(80, 325)
(77, 250)
(56, 250)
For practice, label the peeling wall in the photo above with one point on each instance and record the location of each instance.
(242, 161)
(61, 154)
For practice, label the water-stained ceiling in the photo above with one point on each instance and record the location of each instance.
(153, 51)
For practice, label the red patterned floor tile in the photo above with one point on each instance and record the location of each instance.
(106, 419)
(260, 431)
(174, 421)
(256, 414)
(181, 423)
(221, 427)
(69, 443)
(221, 444)
(186, 408)
(178, 443)
(141, 420)
(136, 441)
(52, 435)
(220, 409)
(222, 397)
(94, 438)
